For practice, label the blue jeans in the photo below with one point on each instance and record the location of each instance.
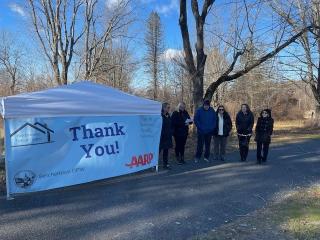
(203, 139)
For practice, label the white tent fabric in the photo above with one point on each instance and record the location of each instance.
(77, 99)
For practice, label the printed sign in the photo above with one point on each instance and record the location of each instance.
(47, 153)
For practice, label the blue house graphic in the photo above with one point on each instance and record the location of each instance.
(31, 134)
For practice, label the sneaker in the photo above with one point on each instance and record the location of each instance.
(206, 159)
(196, 160)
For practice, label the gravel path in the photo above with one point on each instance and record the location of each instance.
(184, 202)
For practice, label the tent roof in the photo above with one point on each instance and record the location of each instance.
(77, 99)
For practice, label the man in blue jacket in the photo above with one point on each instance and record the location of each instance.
(205, 121)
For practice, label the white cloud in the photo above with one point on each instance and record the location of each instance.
(166, 9)
(111, 4)
(171, 53)
(17, 9)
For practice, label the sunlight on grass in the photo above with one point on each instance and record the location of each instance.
(301, 214)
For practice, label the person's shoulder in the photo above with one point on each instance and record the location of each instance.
(174, 113)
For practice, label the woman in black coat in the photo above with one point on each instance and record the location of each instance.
(221, 133)
(166, 134)
(180, 122)
(244, 124)
(264, 129)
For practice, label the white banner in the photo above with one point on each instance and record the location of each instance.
(47, 153)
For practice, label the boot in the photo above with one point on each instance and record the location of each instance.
(182, 159)
(178, 159)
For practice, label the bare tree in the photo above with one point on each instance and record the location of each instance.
(305, 62)
(116, 67)
(233, 71)
(11, 57)
(155, 50)
(55, 24)
(100, 29)
(195, 70)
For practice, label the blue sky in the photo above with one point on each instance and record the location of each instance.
(15, 20)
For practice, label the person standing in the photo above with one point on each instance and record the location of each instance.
(223, 128)
(166, 134)
(264, 129)
(244, 124)
(180, 122)
(205, 121)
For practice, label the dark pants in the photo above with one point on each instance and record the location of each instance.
(264, 148)
(244, 146)
(165, 156)
(180, 145)
(206, 140)
(220, 143)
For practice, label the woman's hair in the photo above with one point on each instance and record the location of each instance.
(221, 106)
(245, 104)
(164, 105)
(266, 110)
(179, 105)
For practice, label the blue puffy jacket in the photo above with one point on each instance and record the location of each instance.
(205, 120)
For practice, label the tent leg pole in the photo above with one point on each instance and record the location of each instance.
(157, 168)
(9, 197)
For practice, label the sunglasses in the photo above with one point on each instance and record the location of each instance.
(221, 109)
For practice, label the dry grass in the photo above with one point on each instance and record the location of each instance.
(295, 217)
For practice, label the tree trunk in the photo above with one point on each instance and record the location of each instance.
(197, 92)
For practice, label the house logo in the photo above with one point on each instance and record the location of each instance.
(25, 179)
(31, 134)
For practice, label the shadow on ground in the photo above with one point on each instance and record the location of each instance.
(187, 201)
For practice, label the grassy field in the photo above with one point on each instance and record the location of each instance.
(295, 216)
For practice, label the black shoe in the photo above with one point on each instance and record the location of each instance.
(182, 160)
(166, 167)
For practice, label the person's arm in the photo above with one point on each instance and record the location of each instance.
(257, 126)
(271, 129)
(251, 123)
(197, 120)
(230, 122)
(188, 116)
(237, 122)
(214, 120)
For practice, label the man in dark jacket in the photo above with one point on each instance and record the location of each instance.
(244, 124)
(205, 121)
(221, 133)
(180, 122)
(264, 129)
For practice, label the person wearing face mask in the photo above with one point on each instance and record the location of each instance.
(166, 134)
(205, 121)
(264, 129)
(180, 122)
(223, 128)
(244, 125)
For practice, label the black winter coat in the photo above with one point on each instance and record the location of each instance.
(178, 120)
(166, 132)
(244, 123)
(227, 125)
(264, 129)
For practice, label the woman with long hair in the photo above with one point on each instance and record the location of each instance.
(166, 134)
(244, 124)
(180, 123)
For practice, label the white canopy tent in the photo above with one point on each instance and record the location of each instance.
(75, 134)
(77, 99)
